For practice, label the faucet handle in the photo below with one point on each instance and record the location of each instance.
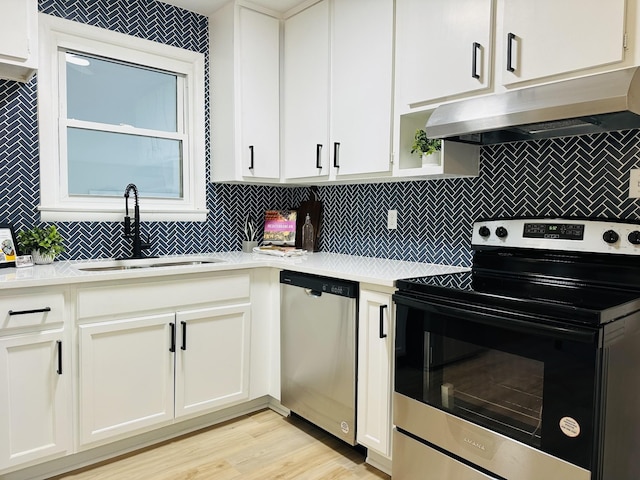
(146, 245)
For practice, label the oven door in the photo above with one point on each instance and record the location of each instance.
(529, 381)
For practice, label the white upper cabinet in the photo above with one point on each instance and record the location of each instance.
(443, 48)
(245, 95)
(338, 90)
(306, 93)
(18, 39)
(543, 38)
(361, 86)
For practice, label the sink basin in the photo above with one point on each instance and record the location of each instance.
(135, 264)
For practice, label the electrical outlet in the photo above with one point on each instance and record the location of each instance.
(634, 183)
(392, 219)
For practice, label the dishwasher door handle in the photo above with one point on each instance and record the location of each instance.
(312, 293)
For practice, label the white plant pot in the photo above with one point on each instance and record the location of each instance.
(40, 259)
(432, 159)
(248, 246)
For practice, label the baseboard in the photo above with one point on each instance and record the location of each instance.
(85, 458)
(378, 461)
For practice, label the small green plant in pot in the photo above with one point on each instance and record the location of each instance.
(42, 243)
(425, 145)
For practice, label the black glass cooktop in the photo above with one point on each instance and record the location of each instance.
(562, 299)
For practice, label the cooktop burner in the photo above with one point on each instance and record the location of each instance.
(571, 270)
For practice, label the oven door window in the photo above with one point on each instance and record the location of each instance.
(522, 384)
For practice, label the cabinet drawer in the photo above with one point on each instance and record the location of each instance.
(31, 310)
(172, 294)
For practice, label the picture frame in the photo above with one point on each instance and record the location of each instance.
(8, 246)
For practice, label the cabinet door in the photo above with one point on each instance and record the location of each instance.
(212, 364)
(18, 39)
(126, 376)
(306, 92)
(35, 383)
(552, 37)
(375, 357)
(259, 60)
(361, 89)
(438, 42)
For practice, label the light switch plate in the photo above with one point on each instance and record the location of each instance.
(634, 183)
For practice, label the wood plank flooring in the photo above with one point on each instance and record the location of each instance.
(263, 445)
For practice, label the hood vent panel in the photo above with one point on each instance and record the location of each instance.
(598, 103)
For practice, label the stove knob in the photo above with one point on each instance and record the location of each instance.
(610, 236)
(634, 237)
(501, 232)
(485, 232)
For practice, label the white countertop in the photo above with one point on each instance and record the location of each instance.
(377, 271)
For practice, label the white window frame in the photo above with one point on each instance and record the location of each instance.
(56, 204)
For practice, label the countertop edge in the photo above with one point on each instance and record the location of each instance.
(370, 270)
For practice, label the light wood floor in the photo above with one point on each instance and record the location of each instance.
(263, 445)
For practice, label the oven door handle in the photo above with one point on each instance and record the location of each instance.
(500, 320)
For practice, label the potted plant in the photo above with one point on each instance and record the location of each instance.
(42, 243)
(249, 242)
(427, 147)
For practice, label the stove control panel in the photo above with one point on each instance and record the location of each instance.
(579, 235)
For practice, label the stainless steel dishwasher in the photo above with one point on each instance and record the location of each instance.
(318, 351)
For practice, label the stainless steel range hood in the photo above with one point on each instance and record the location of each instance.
(597, 103)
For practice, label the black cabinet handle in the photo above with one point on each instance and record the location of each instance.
(59, 345)
(319, 155)
(474, 60)
(172, 348)
(382, 309)
(510, 39)
(336, 154)
(26, 312)
(184, 336)
(251, 157)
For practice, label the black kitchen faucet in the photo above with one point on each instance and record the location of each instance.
(138, 244)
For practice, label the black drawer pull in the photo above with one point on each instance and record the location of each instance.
(172, 348)
(319, 155)
(27, 312)
(251, 162)
(510, 39)
(59, 345)
(336, 154)
(382, 309)
(184, 336)
(474, 60)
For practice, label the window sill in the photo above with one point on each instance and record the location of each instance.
(61, 214)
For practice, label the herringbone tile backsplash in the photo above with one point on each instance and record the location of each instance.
(584, 176)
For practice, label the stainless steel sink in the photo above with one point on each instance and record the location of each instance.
(115, 265)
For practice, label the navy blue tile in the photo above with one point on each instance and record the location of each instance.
(586, 176)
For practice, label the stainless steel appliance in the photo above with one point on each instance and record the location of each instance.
(527, 367)
(596, 103)
(318, 351)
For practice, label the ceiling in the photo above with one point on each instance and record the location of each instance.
(206, 7)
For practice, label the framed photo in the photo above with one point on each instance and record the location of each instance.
(8, 246)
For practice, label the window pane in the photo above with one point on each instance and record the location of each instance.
(104, 91)
(103, 163)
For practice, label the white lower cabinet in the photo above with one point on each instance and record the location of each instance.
(35, 378)
(35, 384)
(140, 372)
(126, 376)
(375, 367)
(212, 358)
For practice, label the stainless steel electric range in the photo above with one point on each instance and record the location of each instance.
(528, 366)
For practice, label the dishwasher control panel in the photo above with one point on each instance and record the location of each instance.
(320, 284)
